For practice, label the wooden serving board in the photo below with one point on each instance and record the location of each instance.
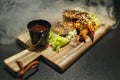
(60, 60)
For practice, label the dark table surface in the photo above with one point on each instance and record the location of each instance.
(101, 62)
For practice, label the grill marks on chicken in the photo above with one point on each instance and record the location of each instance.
(82, 22)
(61, 29)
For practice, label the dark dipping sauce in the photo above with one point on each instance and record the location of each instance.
(38, 28)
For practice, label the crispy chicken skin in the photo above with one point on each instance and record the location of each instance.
(82, 22)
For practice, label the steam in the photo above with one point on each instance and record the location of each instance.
(15, 14)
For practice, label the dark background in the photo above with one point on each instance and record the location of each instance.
(100, 62)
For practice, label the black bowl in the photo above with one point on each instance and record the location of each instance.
(39, 39)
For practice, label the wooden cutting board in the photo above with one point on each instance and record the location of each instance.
(59, 60)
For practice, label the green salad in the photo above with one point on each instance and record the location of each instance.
(57, 41)
(95, 18)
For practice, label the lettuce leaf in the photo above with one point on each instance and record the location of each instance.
(57, 41)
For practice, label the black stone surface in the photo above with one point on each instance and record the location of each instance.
(100, 62)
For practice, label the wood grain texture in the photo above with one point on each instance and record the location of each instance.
(60, 60)
(11, 61)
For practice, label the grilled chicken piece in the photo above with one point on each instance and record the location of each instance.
(83, 35)
(72, 15)
(81, 21)
(60, 28)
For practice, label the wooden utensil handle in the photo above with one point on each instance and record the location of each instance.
(23, 70)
